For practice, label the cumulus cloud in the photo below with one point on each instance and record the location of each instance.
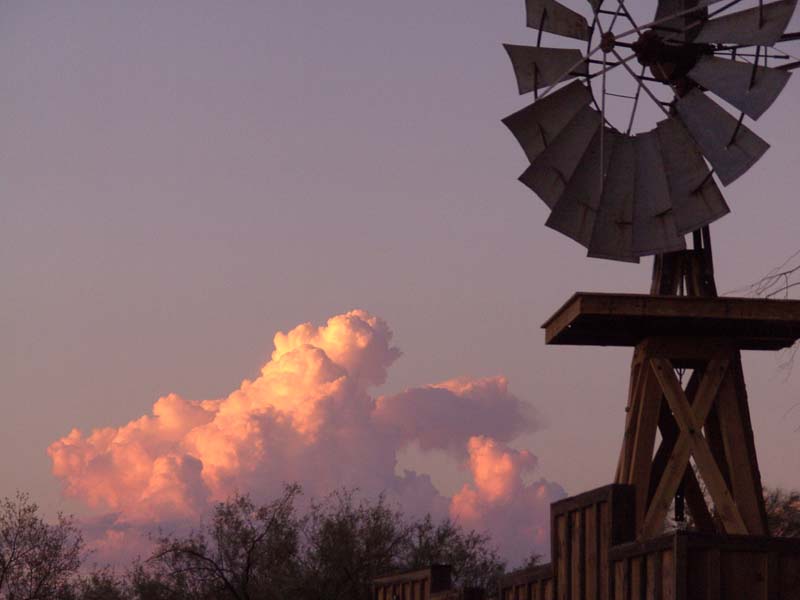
(309, 417)
(499, 500)
(446, 415)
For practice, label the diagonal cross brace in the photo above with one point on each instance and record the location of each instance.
(691, 443)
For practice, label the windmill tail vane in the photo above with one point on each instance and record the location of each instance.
(625, 195)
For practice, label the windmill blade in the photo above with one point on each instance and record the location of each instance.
(762, 25)
(735, 82)
(574, 213)
(549, 173)
(695, 198)
(612, 234)
(537, 125)
(554, 17)
(729, 146)
(654, 230)
(540, 67)
(680, 26)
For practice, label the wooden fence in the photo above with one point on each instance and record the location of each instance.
(583, 528)
(696, 566)
(434, 583)
(529, 584)
(595, 558)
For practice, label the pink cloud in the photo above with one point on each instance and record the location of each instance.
(309, 417)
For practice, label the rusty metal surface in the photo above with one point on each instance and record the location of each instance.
(537, 125)
(653, 220)
(574, 213)
(730, 147)
(553, 168)
(696, 200)
(554, 17)
(540, 67)
(735, 83)
(612, 235)
(749, 27)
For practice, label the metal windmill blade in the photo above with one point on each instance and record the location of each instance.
(762, 25)
(554, 17)
(622, 194)
(750, 88)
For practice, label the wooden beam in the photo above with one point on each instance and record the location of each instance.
(690, 442)
(746, 491)
(697, 503)
(642, 455)
(631, 418)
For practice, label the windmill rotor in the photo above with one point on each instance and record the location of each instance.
(706, 66)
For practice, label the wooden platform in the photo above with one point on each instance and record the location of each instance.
(592, 319)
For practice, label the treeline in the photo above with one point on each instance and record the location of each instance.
(248, 551)
(245, 551)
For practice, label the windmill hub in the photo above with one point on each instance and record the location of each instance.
(669, 63)
(607, 42)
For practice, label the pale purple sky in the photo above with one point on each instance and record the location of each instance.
(180, 180)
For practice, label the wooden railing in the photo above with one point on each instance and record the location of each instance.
(695, 566)
(528, 584)
(434, 583)
(421, 584)
(583, 528)
(594, 558)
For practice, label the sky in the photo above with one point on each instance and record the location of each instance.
(183, 180)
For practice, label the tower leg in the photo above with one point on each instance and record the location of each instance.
(705, 437)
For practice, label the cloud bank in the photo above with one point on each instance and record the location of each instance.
(309, 417)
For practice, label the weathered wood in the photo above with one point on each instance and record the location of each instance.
(744, 413)
(693, 566)
(528, 584)
(667, 575)
(644, 440)
(713, 433)
(743, 480)
(577, 555)
(680, 554)
(621, 580)
(638, 368)
(690, 441)
(654, 576)
(592, 541)
(713, 575)
(604, 528)
(691, 426)
(638, 577)
(703, 520)
(772, 580)
(562, 557)
(431, 581)
(627, 319)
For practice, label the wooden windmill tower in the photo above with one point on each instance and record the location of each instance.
(688, 441)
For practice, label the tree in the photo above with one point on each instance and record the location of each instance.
(347, 544)
(783, 512)
(37, 559)
(472, 558)
(102, 584)
(246, 552)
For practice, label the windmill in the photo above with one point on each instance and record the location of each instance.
(626, 188)
(584, 166)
